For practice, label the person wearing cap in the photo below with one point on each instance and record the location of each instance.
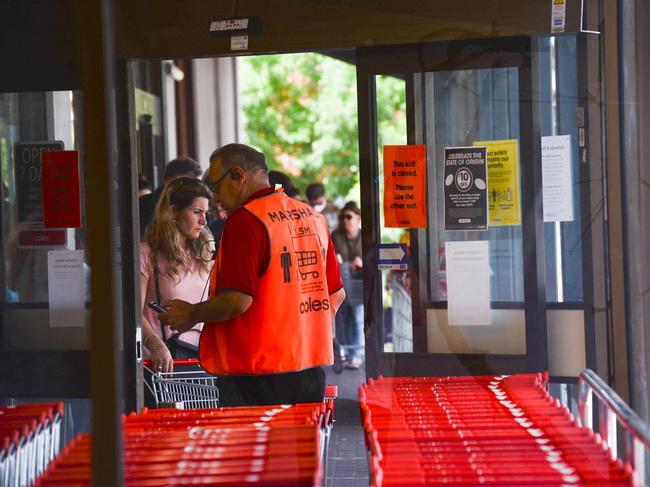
(274, 292)
(176, 168)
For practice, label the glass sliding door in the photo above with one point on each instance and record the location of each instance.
(454, 95)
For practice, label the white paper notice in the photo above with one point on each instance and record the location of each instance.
(65, 279)
(238, 43)
(468, 283)
(557, 181)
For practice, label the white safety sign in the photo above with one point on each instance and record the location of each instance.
(558, 16)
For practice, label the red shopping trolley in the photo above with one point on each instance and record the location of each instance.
(273, 445)
(29, 439)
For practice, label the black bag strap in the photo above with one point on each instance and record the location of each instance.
(155, 276)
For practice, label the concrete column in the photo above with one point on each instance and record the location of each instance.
(634, 28)
(216, 109)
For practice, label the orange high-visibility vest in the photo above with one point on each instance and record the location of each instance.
(288, 327)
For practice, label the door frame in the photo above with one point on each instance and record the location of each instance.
(442, 56)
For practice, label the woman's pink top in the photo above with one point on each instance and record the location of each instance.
(189, 285)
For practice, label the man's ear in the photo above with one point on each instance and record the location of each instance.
(237, 173)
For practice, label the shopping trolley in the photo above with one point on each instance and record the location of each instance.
(253, 445)
(29, 440)
(487, 430)
(331, 393)
(183, 388)
(272, 445)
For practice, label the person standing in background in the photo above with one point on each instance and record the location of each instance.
(318, 201)
(182, 166)
(144, 186)
(277, 177)
(216, 215)
(349, 321)
(216, 221)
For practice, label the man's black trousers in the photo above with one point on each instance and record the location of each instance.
(258, 390)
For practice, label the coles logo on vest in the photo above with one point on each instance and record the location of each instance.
(312, 305)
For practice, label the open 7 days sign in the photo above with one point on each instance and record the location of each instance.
(28, 167)
(29, 196)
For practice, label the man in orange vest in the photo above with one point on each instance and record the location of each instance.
(274, 291)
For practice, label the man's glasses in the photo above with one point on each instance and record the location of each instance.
(215, 186)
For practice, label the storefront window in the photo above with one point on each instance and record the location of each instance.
(30, 124)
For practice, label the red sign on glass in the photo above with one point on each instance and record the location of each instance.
(60, 174)
(405, 183)
(41, 238)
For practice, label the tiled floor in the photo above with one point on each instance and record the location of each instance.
(347, 464)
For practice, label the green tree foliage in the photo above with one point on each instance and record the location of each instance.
(391, 130)
(301, 111)
(391, 110)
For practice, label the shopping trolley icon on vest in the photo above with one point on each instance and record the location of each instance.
(306, 259)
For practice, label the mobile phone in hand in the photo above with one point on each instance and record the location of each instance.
(156, 307)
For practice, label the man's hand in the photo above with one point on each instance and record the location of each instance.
(182, 316)
(179, 315)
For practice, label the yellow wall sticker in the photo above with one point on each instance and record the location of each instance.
(503, 182)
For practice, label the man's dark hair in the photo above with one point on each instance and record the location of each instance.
(277, 177)
(143, 183)
(239, 154)
(352, 207)
(183, 166)
(314, 191)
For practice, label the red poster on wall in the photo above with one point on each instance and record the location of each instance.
(60, 175)
(404, 186)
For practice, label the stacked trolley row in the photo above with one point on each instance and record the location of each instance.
(503, 430)
(30, 437)
(265, 445)
(190, 387)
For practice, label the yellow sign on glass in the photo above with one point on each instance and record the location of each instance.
(503, 182)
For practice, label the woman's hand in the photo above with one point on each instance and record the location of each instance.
(356, 264)
(161, 358)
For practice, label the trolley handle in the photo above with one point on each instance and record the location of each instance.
(180, 361)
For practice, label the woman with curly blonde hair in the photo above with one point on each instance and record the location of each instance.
(175, 263)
